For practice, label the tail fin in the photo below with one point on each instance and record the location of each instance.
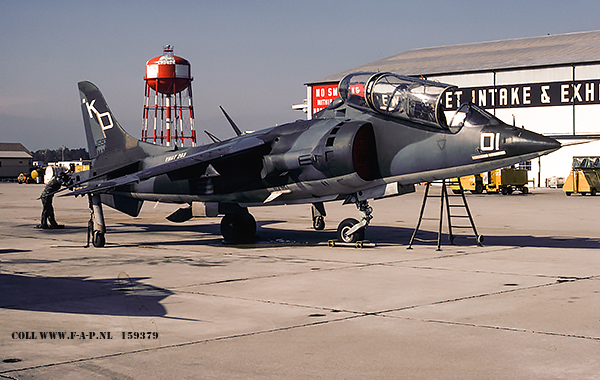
(108, 143)
(104, 133)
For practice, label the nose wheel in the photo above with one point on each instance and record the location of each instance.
(351, 230)
(344, 234)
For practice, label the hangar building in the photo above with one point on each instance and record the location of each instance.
(14, 160)
(549, 84)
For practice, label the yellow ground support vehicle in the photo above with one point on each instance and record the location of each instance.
(504, 180)
(82, 168)
(472, 183)
(30, 177)
(24, 178)
(584, 177)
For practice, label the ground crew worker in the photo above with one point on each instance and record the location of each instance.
(47, 194)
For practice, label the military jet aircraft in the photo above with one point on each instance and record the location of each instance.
(385, 133)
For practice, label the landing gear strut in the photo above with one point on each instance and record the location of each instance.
(351, 230)
(238, 227)
(318, 216)
(96, 226)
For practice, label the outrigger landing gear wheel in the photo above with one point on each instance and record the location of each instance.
(96, 224)
(319, 223)
(98, 240)
(238, 227)
(318, 216)
(345, 226)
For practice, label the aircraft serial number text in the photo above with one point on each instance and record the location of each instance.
(175, 157)
(83, 335)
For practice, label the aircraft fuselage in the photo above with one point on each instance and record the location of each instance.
(320, 159)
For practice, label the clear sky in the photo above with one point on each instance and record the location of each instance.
(251, 57)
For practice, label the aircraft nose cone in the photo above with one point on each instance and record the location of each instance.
(523, 141)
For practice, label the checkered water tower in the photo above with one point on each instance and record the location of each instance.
(168, 104)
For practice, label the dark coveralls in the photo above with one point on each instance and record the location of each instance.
(48, 211)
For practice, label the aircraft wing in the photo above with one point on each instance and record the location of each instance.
(232, 147)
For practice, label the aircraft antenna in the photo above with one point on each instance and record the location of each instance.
(231, 122)
(212, 136)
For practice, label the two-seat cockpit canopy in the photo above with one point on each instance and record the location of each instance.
(397, 96)
(409, 98)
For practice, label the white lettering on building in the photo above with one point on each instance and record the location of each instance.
(545, 98)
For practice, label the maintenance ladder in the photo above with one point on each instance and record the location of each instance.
(450, 207)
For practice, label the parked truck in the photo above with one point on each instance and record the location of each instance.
(505, 181)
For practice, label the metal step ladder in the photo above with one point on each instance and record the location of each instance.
(452, 212)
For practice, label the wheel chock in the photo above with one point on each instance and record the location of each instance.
(358, 244)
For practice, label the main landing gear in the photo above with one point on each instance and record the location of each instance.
(238, 227)
(351, 230)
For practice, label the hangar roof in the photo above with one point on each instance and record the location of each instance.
(14, 150)
(555, 50)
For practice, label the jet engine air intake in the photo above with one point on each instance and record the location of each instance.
(364, 153)
(397, 96)
(351, 147)
(348, 147)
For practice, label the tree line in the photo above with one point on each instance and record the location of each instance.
(60, 154)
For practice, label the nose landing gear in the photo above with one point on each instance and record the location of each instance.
(351, 230)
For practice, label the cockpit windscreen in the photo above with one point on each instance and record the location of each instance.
(352, 89)
(471, 115)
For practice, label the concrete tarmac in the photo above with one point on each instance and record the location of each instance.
(165, 300)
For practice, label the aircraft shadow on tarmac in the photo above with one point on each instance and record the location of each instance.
(391, 235)
(401, 236)
(270, 232)
(13, 250)
(123, 296)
